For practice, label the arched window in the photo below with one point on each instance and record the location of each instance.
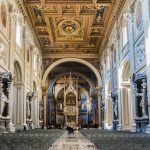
(124, 32)
(35, 62)
(124, 35)
(138, 18)
(18, 35)
(108, 62)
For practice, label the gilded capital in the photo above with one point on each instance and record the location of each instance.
(99, 88)
(44, 89)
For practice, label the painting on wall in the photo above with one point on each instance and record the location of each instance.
(139, 15)
(140, 55)
(3, 14)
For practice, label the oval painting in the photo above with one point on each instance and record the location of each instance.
(3, 14)
(139, 15)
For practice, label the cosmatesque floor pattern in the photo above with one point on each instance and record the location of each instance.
(74, 141)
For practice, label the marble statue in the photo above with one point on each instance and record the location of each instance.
(29, 109)
(115, 109)
(142, 106)
(4, 101)
(1, 52)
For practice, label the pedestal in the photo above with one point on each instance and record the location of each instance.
(11, 127)
(141, 124)
(119, 127)
(115, 124)
(41, 124)
(4, 124)
(148, 128)
(29, 124)
(103, 125)
(133, 128)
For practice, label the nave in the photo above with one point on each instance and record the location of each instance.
(85, 139)
(75, 141)
(74, 64)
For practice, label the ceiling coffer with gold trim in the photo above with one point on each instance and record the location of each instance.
(69, 25)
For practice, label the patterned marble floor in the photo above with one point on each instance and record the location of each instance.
(74, 141)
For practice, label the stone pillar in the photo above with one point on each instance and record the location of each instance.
(146, 15)
(35, 111)
(99, 89)
(1, 85)
(144, 85)
(120, 109)
(9, 89)
(44, 90)
(129, 18)
(10, 109)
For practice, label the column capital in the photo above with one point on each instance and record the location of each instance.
(108, 51)
(127, 15)
(44, 89)
(99, 88)
(14, 14)
(115, 42)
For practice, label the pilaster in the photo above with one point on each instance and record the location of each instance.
(99, 89)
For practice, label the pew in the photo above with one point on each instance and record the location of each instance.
(118, 140)
(29, 140)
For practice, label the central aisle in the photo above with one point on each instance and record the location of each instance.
(74, 141)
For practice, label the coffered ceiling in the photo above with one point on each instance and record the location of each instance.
(69, 26)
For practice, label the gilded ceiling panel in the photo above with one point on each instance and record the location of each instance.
(69, 26)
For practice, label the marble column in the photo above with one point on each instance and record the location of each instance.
(99, 89)
(10, 109)
(34, 112)
(144, 85)
(9, 98)
(44, 102)
(1, 85)
(120, 106)
(129, 18)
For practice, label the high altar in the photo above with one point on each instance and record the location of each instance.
(71, 109)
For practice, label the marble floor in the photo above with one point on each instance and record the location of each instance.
(74, 141)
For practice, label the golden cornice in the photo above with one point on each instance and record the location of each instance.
(22, 7)
(70, 56)
(113, 19)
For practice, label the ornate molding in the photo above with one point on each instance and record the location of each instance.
(113, 19)
(71, 55)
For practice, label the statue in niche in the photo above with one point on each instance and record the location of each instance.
(61, 106)
(115, 110)
(1, 52)
(142, 106)
(4, 105)
(41, 110)
(29, 108)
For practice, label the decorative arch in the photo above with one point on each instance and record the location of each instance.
(17, 95)
(109, 105)
(80, 74)
(126, 96)
(86, 63)
(17, 71)
(125, 71)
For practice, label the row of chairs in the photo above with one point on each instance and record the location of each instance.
(118, 140)
(29, 140)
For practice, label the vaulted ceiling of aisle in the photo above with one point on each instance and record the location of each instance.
(70, 26)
